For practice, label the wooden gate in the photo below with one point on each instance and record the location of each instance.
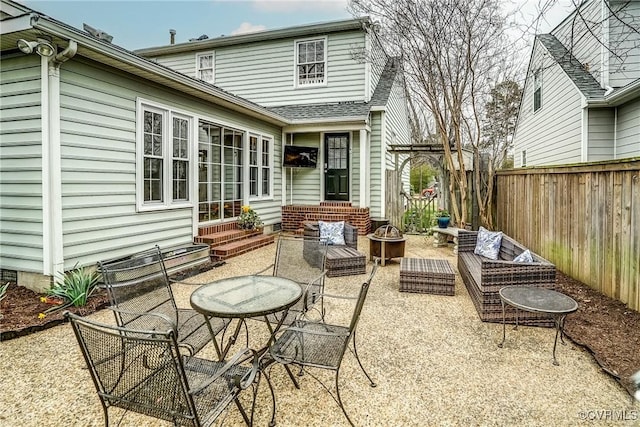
(419, 213)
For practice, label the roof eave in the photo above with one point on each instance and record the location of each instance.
(290, 32)
(225, 99)
(624, 94)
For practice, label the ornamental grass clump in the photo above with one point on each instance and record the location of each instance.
(74, 287)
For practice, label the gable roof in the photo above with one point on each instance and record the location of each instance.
(583, 80)
(343, 111)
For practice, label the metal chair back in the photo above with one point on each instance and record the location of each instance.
(141, 298)
(145, 372)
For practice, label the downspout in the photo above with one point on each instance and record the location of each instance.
(55, 235)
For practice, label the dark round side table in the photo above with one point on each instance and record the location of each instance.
(538, 300)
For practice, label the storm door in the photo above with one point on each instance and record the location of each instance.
(336, 166)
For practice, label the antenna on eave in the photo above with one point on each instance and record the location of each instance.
(99, 34)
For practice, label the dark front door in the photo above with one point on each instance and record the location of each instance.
(336, 166)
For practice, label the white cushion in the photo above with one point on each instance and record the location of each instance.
(524, 257)
(332, 232)
(488, 243)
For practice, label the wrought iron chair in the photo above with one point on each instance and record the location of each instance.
(301, 259)
(145, 372)
(141, 298)
(322, 345)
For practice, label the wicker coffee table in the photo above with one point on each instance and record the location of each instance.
(429, 276)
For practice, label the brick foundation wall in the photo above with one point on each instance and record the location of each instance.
(294, 215)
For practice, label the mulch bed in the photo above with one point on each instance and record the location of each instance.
(605, 327)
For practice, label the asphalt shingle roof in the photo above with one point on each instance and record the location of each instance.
(315, 112)
(576, 71)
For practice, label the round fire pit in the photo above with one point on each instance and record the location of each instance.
(385, 243)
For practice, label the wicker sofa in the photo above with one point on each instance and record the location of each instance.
(484, 277)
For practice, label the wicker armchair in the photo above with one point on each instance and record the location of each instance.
(484, 277)
(322, 345)
(145, 372)
(141, 298)
(341, 260)
(350, 233)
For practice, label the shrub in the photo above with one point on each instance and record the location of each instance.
(75, 286)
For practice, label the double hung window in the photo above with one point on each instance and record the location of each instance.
(311, 62)
(163, 157)
(205, 67)
(537, 90)
(260, 166)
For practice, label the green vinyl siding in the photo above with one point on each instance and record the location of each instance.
(98, 164)
(264, 71)
(376, 172)
(397, 129)
(303, 184)
(21, 237)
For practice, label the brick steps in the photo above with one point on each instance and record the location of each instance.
(227, 240)
(237, 247)
(226, 236)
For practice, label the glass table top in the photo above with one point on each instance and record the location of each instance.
(245, 296)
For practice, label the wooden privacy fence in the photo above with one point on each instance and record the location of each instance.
(583, 218)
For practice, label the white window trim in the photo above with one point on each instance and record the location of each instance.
(213, 65)
(540, 73)
(295, 62)
(260, 137)
(168, 113)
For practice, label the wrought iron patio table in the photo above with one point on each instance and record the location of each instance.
(244, 297)
(538, 300)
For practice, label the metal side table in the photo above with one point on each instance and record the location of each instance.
(538, 300)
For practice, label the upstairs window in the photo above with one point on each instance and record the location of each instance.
(311, 62)
(204, 67)
(537, 90)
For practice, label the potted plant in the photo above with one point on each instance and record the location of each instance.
(249, 219)
(443, 218)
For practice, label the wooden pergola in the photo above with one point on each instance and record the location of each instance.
(392, 202)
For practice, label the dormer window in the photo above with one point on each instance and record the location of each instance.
(204, 66)
(537, 90)
(311, 62)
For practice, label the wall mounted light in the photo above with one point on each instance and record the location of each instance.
(42, 47)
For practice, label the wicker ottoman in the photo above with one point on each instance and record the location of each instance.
(344, 261)
(430, 276)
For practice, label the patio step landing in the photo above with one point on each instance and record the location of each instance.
(227, 240)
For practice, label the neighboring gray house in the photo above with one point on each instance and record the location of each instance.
(104, 152)
(581, 98)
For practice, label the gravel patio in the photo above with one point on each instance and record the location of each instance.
(434, 361)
